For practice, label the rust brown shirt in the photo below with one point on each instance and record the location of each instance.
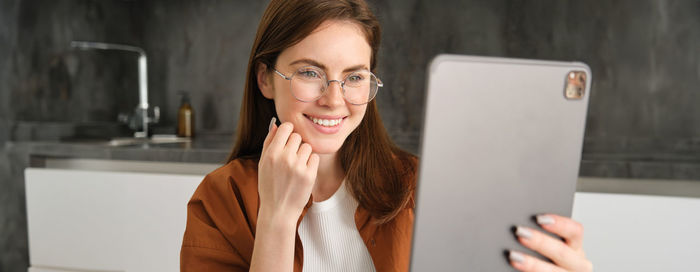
(222, 215)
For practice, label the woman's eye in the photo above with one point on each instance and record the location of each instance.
(355, 78)
(309, 73)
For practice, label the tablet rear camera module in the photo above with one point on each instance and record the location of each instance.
(575, 85)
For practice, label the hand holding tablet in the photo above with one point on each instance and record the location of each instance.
(566, 254)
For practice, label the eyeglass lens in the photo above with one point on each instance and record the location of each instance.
(308, 84)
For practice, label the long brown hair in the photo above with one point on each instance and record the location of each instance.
(379, 175)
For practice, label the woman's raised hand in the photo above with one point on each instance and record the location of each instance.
(567, 255)
(286, 173)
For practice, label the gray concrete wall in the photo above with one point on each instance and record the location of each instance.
(200, 47)
(644, 56)
(46, 88)
(47, 81)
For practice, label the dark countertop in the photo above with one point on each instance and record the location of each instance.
(641, 166)
(216, 150)
(206, 149)
(682, 164)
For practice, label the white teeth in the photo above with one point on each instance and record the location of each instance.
(326, 122)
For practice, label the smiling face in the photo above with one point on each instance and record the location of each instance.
(339, 48)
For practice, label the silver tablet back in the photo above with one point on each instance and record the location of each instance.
(501, 142)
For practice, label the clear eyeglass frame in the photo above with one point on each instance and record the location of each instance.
(326, 83)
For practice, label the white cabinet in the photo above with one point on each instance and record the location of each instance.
(90, 215)
(86, 220)
(634, 232)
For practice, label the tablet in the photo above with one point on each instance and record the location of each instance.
(501, 142)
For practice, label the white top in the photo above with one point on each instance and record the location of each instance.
(330, 237)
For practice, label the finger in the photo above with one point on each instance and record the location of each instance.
(270, 133)
(293, 143)
(313, 163)
(550, 247)
(304, 153)
(281, 136)
(524, 262)
(564, 227)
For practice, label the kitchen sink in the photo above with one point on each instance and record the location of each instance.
(156, 139)
(130, 141)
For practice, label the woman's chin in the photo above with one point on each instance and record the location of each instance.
(325, 148)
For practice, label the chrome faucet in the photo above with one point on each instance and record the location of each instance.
(142, 108)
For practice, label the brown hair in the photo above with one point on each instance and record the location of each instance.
(380, 175)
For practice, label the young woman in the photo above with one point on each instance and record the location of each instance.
(326, 190)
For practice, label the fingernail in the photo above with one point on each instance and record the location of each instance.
(515, 256)
(523, 232)
(272, 122)
(545, 220)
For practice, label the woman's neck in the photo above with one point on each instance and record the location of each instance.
(329, 177)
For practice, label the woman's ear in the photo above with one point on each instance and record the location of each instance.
(264, 81)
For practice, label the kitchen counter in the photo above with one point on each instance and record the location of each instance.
(201, 156)
(214, 149)
(205, 149)
(641, 166)
(629, 173)
(639, 159)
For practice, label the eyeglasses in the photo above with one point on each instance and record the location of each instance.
(309, 83)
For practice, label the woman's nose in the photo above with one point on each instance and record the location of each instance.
(333, 96)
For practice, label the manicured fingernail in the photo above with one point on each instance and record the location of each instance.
(515, 256)
(545, 220)
(523, 232)
(272, 122)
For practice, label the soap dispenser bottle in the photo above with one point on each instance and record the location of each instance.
(185, 117)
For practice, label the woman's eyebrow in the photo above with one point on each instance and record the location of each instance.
(319, 65)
